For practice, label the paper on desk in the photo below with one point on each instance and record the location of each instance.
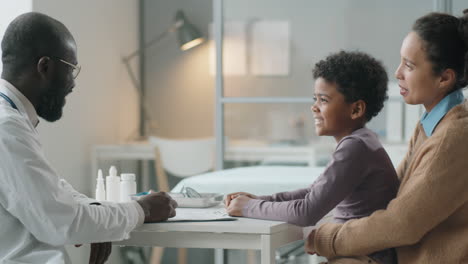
(201, 215)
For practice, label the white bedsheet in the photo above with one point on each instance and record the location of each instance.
(259, 180)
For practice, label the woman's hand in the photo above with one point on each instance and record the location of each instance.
(231, 196)
(309, 243)
(237, 204)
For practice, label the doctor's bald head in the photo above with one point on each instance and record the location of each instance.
(39, 59)
(29, 37)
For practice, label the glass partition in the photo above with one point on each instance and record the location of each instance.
(278, 134)
(270, 47)
(458, 6)
(269, 50)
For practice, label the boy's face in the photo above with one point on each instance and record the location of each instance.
(332, 113)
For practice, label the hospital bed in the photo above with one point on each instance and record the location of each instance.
(259, 180)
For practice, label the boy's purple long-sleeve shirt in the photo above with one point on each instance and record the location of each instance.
(359, 179)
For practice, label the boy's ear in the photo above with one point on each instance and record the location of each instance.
(358, 109)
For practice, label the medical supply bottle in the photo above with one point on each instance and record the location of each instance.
(113, 186)
(100, 188)
(127, 186)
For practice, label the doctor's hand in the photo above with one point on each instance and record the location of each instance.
(237, 204)
(100, 252)
(231, 196)
(309, 243)
(158, 206)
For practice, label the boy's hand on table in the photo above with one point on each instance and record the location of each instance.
(231, 196)
(237, 204)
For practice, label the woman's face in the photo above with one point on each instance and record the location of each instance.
(418, 83)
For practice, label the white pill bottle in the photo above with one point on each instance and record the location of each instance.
(112, 186)
(100, 188)
(127, 186)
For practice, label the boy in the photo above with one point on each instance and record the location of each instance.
(350, 89)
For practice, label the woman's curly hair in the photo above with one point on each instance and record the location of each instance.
(358, 76)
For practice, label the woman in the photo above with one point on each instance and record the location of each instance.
(428, 220)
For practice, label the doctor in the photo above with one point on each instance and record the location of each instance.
(39, 211)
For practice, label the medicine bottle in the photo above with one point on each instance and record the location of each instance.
(127, 186)
(100, 190)
(112, 186)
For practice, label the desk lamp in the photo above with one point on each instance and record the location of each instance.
(188, 37)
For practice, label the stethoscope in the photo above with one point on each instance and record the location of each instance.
(8, 100)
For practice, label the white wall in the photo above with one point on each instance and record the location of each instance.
(102, 108)
(178, 87)
(8, 11)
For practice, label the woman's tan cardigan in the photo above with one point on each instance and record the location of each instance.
(428, 220)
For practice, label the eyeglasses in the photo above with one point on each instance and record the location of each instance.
(76, 68)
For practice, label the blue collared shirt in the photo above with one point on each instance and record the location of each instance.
(430, 120)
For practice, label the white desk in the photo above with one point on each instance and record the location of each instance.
(235, 151)
(249, 151)
(244, 233)
(132, 151)
(253, 150)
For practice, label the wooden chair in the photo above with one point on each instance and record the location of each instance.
(181, 158)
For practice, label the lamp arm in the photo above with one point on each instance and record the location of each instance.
(155, 40)
(144, 109)
(133, 78)
(136, 84)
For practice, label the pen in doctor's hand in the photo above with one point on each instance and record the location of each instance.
(144, 193)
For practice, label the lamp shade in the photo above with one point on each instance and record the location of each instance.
(188, 34)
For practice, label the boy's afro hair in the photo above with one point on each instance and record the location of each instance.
(358, 76)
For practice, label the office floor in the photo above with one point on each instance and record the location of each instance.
(134, 255)
(289, 254)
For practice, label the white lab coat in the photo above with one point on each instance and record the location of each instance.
(40, 212)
